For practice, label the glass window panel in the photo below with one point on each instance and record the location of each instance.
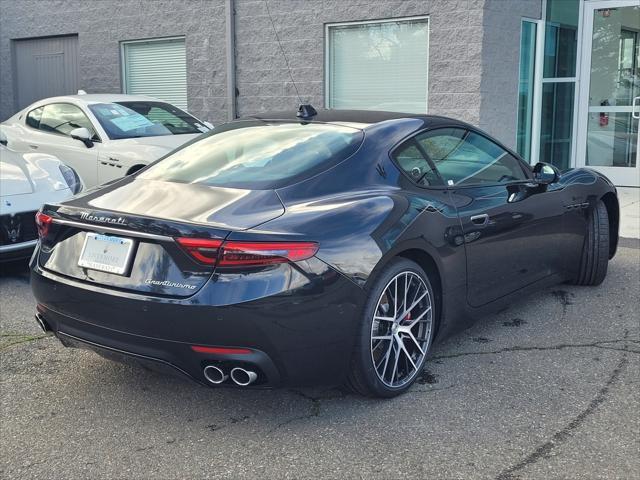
(526, 88)
(557, 124)
(144, 119)
(561, 38)
(62, 118)
(466, 158)
(379, 66)
(411, 160)
(615, 69)
(33, 118)
(257, 155)
(612, 139)
(157, 68)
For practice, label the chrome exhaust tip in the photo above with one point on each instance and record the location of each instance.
(214, 374)
(243, 377)
(43, 324)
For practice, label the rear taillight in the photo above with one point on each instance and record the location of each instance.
(246, 254)
(251, 254)
(203, 250)
(43, 222)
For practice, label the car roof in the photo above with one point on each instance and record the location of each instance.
(99, 98)
(366, 117)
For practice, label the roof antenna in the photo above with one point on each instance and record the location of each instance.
(305, 110)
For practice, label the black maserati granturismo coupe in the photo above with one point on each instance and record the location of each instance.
(324, 248)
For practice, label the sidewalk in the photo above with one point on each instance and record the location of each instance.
(629, 199)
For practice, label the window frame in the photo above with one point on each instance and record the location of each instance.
(26, 117)
(96, 133)
(123, 63)
(412, 141)
(526, 168)
(327, 47)
(536, 90)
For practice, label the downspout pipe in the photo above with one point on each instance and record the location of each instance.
(230, 34)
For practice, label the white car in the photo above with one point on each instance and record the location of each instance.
(27, 181)
(102, 137)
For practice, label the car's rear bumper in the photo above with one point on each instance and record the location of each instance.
(298, 337)
(17, 251)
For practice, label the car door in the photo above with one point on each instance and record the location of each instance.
(512, 228)
(48, 128)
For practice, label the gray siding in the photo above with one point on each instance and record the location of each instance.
(473, 58)
(454, 58)
(500, 60)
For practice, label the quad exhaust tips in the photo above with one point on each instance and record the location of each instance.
(240, 376)
(243, 377)
(214, 374)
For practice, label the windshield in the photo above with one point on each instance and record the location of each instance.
(257, 155)
(144, 119)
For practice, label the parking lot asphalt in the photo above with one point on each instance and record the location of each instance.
(546, 389)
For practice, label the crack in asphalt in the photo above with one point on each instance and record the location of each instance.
(20, 339)
(603, 344)
(316, 403)
(561, 436)
(316, 407)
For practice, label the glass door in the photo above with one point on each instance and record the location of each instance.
(610, 92)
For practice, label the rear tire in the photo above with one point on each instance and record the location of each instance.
(403, 342)
(595, 252)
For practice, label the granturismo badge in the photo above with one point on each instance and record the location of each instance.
(167, 283)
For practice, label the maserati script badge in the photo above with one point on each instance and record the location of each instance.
(102, 219)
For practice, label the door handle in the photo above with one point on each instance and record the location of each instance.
(480, 220)
(635, 108)
(35, 147)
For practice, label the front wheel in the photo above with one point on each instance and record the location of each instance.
(395, 333)
(595, 251)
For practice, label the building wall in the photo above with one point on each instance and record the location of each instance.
(101, 25)
(473, 57)
(500, 65)
(263, 82)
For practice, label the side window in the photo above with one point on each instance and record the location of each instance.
(463, 158)
(411, 160)
(61, 118)
(33, 118)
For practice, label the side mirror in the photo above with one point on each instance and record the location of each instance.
(82, 134)
(545, 173)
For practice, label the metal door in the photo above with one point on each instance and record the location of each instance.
(45, 67)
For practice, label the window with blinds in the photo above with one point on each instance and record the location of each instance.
(157, 68)
(380, 65)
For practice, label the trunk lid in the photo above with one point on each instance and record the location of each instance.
(217, 207)
(152, 214)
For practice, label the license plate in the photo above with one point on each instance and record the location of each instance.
(106, 253)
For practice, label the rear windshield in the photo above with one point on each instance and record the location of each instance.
(256, 155)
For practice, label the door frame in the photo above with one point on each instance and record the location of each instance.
(615, 174)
